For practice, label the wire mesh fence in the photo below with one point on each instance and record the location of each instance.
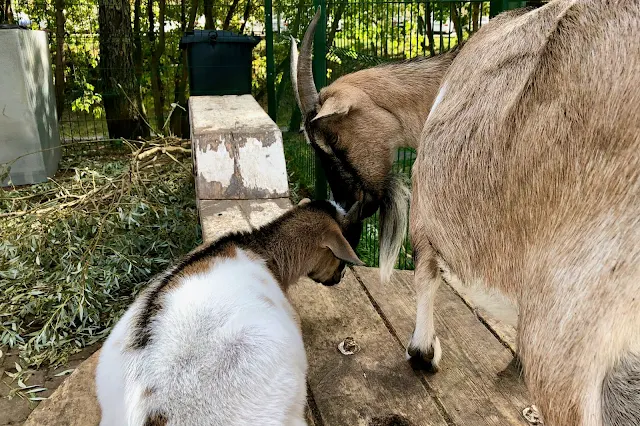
(120, 70)
(361, 34)
(116, 80)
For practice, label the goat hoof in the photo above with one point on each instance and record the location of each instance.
(425, 360)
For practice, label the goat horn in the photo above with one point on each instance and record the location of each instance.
(307, 93)
(354, 213)
(294, 70)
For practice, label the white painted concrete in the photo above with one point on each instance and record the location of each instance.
(238, 149)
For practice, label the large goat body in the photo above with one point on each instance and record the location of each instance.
(528, 180)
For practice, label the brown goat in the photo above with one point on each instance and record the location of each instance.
(528, 181)
(356, 125)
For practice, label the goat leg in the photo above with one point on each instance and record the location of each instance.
(423, 350)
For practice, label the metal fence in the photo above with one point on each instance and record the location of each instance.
(159, 90)
(359, 34)
(356, 34)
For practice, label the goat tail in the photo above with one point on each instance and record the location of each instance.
(394, 218)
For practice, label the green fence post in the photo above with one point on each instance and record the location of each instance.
(320, 77)
(497, 6)
(271, 71)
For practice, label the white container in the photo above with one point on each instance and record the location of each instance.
(28, 119)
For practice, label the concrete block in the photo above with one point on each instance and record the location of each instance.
(261, 212)
(237, 149)
(28, 120)
(221, 217)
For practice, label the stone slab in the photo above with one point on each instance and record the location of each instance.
(219, 217)
(237, 149)
(261, 212)
(28, 120)
(74, 403)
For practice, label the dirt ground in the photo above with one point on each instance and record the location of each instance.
(15, 410)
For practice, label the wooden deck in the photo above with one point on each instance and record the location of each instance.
(476, 385)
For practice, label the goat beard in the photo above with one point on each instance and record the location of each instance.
(394, 219)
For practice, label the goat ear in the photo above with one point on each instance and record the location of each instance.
(304, 201)
(333, 107)
(340, 247)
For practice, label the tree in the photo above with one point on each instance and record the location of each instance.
(179, 125)
(123, 111)
(6, 12)
(137, 50)
(60, 63)
(209, 20)
(157, 50)
(230, 14)
(245, 17)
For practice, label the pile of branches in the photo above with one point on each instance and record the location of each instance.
(77, 249)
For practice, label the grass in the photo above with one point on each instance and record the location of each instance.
(77, 249)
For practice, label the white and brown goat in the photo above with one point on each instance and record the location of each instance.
(527, 181)
(214, 340)
(357, 123)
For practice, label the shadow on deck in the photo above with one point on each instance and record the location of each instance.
(475, 386)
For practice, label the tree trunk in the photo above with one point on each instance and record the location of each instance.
(157, 50)
(429, 10)
(60, 62)
(124, 114)
(334, 24)
(179, 125)
(475, 16)
(230, 13)
(137, 50)
(209, 21)
(6, 12)
(455, 19)
(245, 17)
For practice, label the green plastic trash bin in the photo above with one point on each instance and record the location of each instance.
(219, 62)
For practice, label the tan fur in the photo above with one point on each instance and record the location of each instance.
(156, 420)
(204, 265)
(384, 112)
(358, 123)
(528, 180)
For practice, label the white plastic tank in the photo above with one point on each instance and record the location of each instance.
(28, 120)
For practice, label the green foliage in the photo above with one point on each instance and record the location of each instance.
(77, 249)
(300, 160)
(90, 102)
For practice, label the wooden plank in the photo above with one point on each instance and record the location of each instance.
(376, 381)
(471, 386)
(504, 330)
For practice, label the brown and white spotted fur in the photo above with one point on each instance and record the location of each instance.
(528, 181)
(214, 340)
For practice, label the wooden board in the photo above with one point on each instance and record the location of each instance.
(375, 382)
(471, 386)
(504, 330)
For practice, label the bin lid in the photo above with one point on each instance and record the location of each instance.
(217, 36)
